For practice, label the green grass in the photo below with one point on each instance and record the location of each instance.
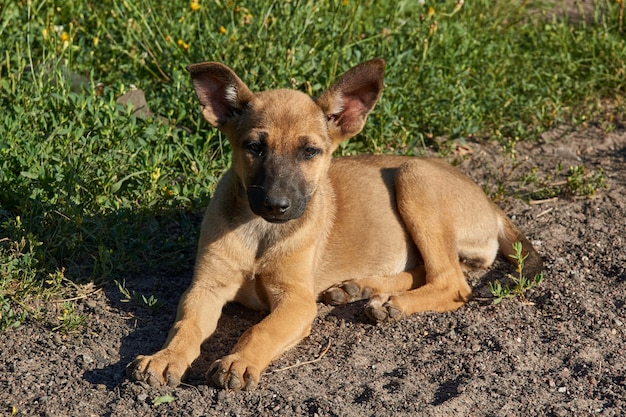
(90, 193)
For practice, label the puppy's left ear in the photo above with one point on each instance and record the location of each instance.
(351, 98)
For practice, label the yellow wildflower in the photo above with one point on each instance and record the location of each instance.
(156, 174)
(431, 12)
(96, 41)
(345, 2)
(65, 37)
(222, 30)
(44, 33)
(183, 44)
(195, 5)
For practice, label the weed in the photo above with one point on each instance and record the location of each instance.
(581, 183)
(150, 302)
(18, 280)
(521, 283)
(9, 317)
(69, 320)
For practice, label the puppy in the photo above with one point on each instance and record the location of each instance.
(289, 225)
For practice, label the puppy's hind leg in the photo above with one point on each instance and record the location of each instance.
(430, 214)
(365, 288)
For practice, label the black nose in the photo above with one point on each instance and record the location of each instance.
(277, 205)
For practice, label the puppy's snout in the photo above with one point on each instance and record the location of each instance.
(277, 205)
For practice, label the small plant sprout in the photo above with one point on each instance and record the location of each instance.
(69, 320)
(121, 286)
(521, 283)
(150, 302)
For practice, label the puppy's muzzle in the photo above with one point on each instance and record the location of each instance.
(275, 207)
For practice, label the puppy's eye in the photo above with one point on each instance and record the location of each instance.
(310, 152)
(254, 148)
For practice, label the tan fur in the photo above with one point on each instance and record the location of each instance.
(286, 226)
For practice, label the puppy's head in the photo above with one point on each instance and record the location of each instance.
(282, 140)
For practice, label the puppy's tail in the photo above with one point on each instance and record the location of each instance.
(509, 234)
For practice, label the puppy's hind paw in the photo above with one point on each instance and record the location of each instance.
(344, 293)
(380, 308)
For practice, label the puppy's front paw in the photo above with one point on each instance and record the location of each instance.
(381, 308)
(234, 373)
(344, 293)
(162, 368)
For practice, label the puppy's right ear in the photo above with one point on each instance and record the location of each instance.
(222, 94)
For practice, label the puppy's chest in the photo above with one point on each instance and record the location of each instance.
(264, 243)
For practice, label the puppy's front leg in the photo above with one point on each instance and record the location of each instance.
(289, 290)
(198, 312)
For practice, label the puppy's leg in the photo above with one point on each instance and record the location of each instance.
(365, 288)
(289, 290)
(444, 225)
(198, 312)
(444, 288)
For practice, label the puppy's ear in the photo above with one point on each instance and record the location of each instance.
(347, 103)
(222, 94)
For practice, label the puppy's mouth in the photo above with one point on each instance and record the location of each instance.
(276, 210)
(277, 217)
(276, 220)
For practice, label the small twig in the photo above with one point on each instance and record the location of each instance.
(62, 215)
(558, 183)
(194, 388)
(543, 213)
(547, 200)
(319, 358)
(78, 297)
(131, 316)
(154, 59)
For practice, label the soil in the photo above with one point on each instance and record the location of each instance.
(561, 353)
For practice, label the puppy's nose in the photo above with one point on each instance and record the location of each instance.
(277, 205)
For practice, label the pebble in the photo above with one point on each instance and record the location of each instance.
(562, 389)
(142, 397)
(84, 361)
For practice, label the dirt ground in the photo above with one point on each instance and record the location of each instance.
(561, 355)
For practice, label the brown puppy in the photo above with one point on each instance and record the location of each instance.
(287, 225)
